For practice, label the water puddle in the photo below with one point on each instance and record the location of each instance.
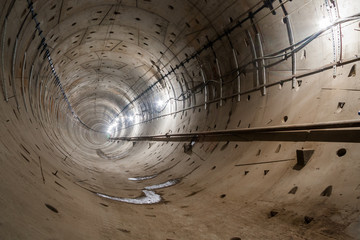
(150, 197)
(142, 178)
(163, 185)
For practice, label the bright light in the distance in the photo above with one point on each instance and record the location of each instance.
(159, 103)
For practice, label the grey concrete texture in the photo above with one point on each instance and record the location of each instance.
(196, 119)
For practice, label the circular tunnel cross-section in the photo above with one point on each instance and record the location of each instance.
(196, 119)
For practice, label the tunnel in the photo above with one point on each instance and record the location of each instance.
(182, 119)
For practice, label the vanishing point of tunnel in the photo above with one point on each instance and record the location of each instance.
(179, 119)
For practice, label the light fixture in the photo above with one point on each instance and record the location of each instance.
(112, 127)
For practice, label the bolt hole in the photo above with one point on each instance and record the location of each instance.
(308, 220)
(51, 208)
(327, 192)
(285, 118)
(293, 190)
(352, 72)
(341, 152)
(273, 213)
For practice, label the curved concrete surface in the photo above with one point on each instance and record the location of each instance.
(78, 78)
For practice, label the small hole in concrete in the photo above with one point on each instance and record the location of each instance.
(213, 168)
(248, 97)
(293, 190)
(51, 208)
(308, 220)
(171, 7)
(137, 19)
(341, 152)
(285, 118)
(258, 152)
(222, 195)
(340, 106)
(277, 150)
(327, 192)
(235, 238)
(266, 172)
(73, 24)
(246, 172)
(352, 72)
(273, 213)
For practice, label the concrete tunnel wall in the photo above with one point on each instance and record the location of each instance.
(116, 59)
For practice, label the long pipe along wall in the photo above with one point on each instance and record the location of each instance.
(186, 119)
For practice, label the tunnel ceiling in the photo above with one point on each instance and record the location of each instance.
(233, 119)
(109, 53)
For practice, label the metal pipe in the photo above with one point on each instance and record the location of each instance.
(220, 81)
(174, 94)
(237, 73)
(293, 54)
(254, 55)
(205, 87)
(341, 131)
(262, 61)
(22, 82)
(13, 72)
(309, 73)
(2, 62)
